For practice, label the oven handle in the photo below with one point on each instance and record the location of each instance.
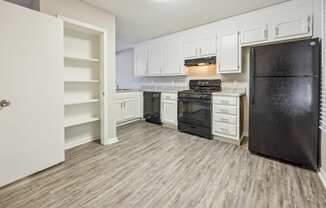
(194, 100)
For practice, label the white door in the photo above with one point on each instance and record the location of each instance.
(208, 46)
(190, 49)
(169, 109)
(173, 62)
(155, 59)
(229, 54)
(31, 79)
(118, 110)
(293, 26)
(130, 109)
(141, 61)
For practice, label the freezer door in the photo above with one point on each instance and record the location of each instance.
(299, 58)
(284, 119)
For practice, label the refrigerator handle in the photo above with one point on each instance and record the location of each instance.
(252, 75)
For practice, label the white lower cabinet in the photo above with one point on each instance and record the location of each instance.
(169, 108)
(128, 107)
(226, 118)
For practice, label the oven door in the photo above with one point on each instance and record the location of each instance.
(195, 111)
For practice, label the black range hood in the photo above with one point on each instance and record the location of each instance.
(201, 61)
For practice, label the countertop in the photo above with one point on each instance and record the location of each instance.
(148, 90)
(127, 90)
(231, 92)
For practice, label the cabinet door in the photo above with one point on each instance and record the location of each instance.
(155, 59)
(293, 26)
(169, 112)
(118, 110)
(190, 49)
(141, 61)
(254, 35)
(229, 54)
(207, 46)
(130, 109)
(173, 62)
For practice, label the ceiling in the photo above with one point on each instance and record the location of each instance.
(140, 20)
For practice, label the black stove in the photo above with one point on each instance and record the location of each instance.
(195, 107)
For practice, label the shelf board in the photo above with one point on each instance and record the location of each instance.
(82, 59)
(77, 102)
(82, 81)
(80, 121)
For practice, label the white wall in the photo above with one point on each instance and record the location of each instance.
(125, 71)
(75, 9)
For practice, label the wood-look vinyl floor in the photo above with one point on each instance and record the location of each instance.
(154, 167)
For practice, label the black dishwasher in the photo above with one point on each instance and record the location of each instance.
(152, 107)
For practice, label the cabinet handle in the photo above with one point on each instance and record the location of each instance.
(224, 111)
(200, 51)
(224, 130)
(124, 104)
(265, 33)
(224, 120)
(225, 102)
(277, 31)
(308, 21)
(120, 105)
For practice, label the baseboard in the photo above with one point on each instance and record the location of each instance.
(110, 141)
(322, 176)
(79, 142)
(128, 122)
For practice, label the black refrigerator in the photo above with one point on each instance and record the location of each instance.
(284, 102)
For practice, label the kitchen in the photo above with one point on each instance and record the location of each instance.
(180, 104)
(219, 50)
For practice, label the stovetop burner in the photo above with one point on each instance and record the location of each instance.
(201, 89)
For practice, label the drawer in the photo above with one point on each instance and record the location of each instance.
(225, 118)
(169, 96)
(225, 129)
(228, 110)
(221, 100)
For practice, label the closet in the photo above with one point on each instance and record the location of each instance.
(85, 101)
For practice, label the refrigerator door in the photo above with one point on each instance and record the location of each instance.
(284, 119)
(300, 58)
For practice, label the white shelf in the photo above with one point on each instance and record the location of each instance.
(80, 121)
(77, 102)
(82, 59)
(82, 81)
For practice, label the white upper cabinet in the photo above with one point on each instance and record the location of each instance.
(141, 60)
(254, 34)
(298, 25)
(229, 53)
(207, 46)
(190, 49)
(199, 46)
(173, 60)
(283, 22)
(155, 56)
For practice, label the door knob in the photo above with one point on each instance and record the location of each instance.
(4, 103)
